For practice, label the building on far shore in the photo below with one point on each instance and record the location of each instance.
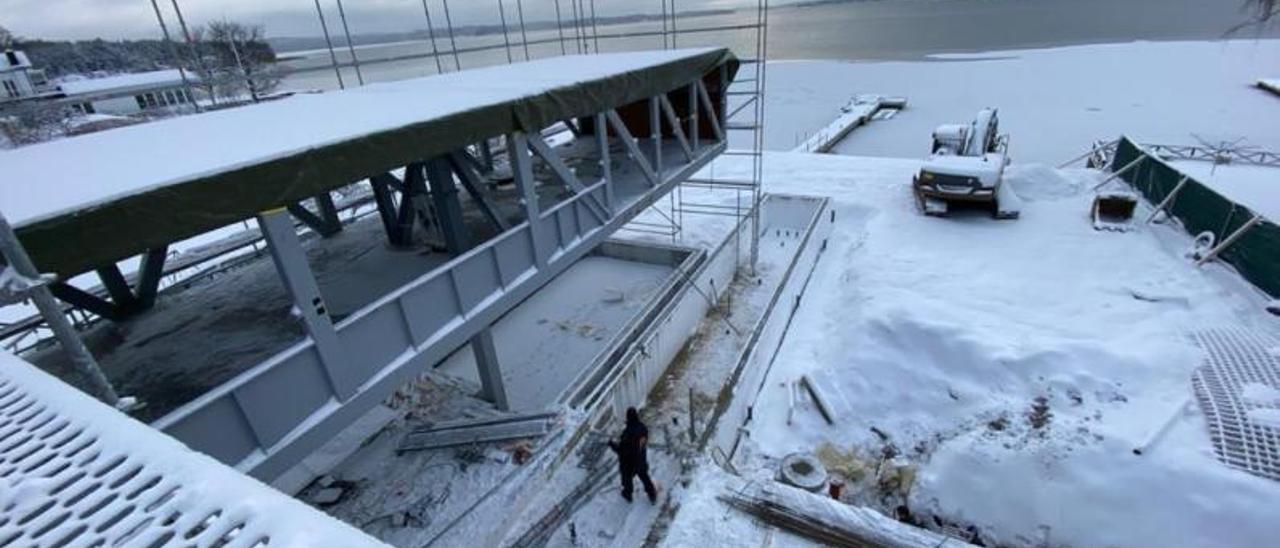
(159, 91)
(125, 94)
(19, 80)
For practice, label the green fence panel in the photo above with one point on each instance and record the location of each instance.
(1201, 209)
(1256, 255)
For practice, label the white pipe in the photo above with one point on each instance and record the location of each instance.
(1165, 202)
(1120, 172)
(1158, 434)
(791, 401)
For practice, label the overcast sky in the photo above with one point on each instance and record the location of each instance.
(114, 19)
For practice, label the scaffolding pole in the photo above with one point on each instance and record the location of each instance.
(82, 362)
(355, 61)
(333, 56)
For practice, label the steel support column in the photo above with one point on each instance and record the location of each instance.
(295, 273)
(492, 387)
(474, 186)
(522, 171)
(324, 220)
(606, 165)
(655, 132)
(444, 194)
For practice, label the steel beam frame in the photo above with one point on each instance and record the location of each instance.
(270, 417)
(324, 221)
(125, 301)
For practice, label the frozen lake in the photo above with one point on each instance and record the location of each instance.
(893, 30)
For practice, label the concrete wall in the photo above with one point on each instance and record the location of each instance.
(757, 358)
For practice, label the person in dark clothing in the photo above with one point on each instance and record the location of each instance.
(632, 459)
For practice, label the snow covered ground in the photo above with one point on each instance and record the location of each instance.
(1011, 366)
(1053, 102)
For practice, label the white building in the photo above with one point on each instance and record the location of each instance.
(18, 79)
(124, 94)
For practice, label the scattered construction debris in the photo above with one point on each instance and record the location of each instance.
(803, 470)
(473, 431)
(540, 533)
(827, 521)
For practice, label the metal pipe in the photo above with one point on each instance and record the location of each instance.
(1167, 199)
(595, 30)
(191, 45)
(333, 57)
(524, 37)
(664, 24)
(431, 34)
(1230, 239)
(506, 40)
(173, 55)
(81, 360)
(453, 44)
(355, 61)
(577, 26)
(1121, 171)
(560, 29)
(1156, 435)
(674, 33)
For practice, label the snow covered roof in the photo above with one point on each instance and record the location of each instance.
(155, 489)
(11, 59)
(84, 201)
(123, 82)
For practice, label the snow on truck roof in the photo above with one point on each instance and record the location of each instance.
(84, 201)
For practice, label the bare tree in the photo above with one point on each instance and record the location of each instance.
(30, 122)
(211, 77)
(7, 39)
(242, 50)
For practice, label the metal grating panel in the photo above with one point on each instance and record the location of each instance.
(74, 472)
(1234, 358)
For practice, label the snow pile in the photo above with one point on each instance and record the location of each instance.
(1011, 366)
